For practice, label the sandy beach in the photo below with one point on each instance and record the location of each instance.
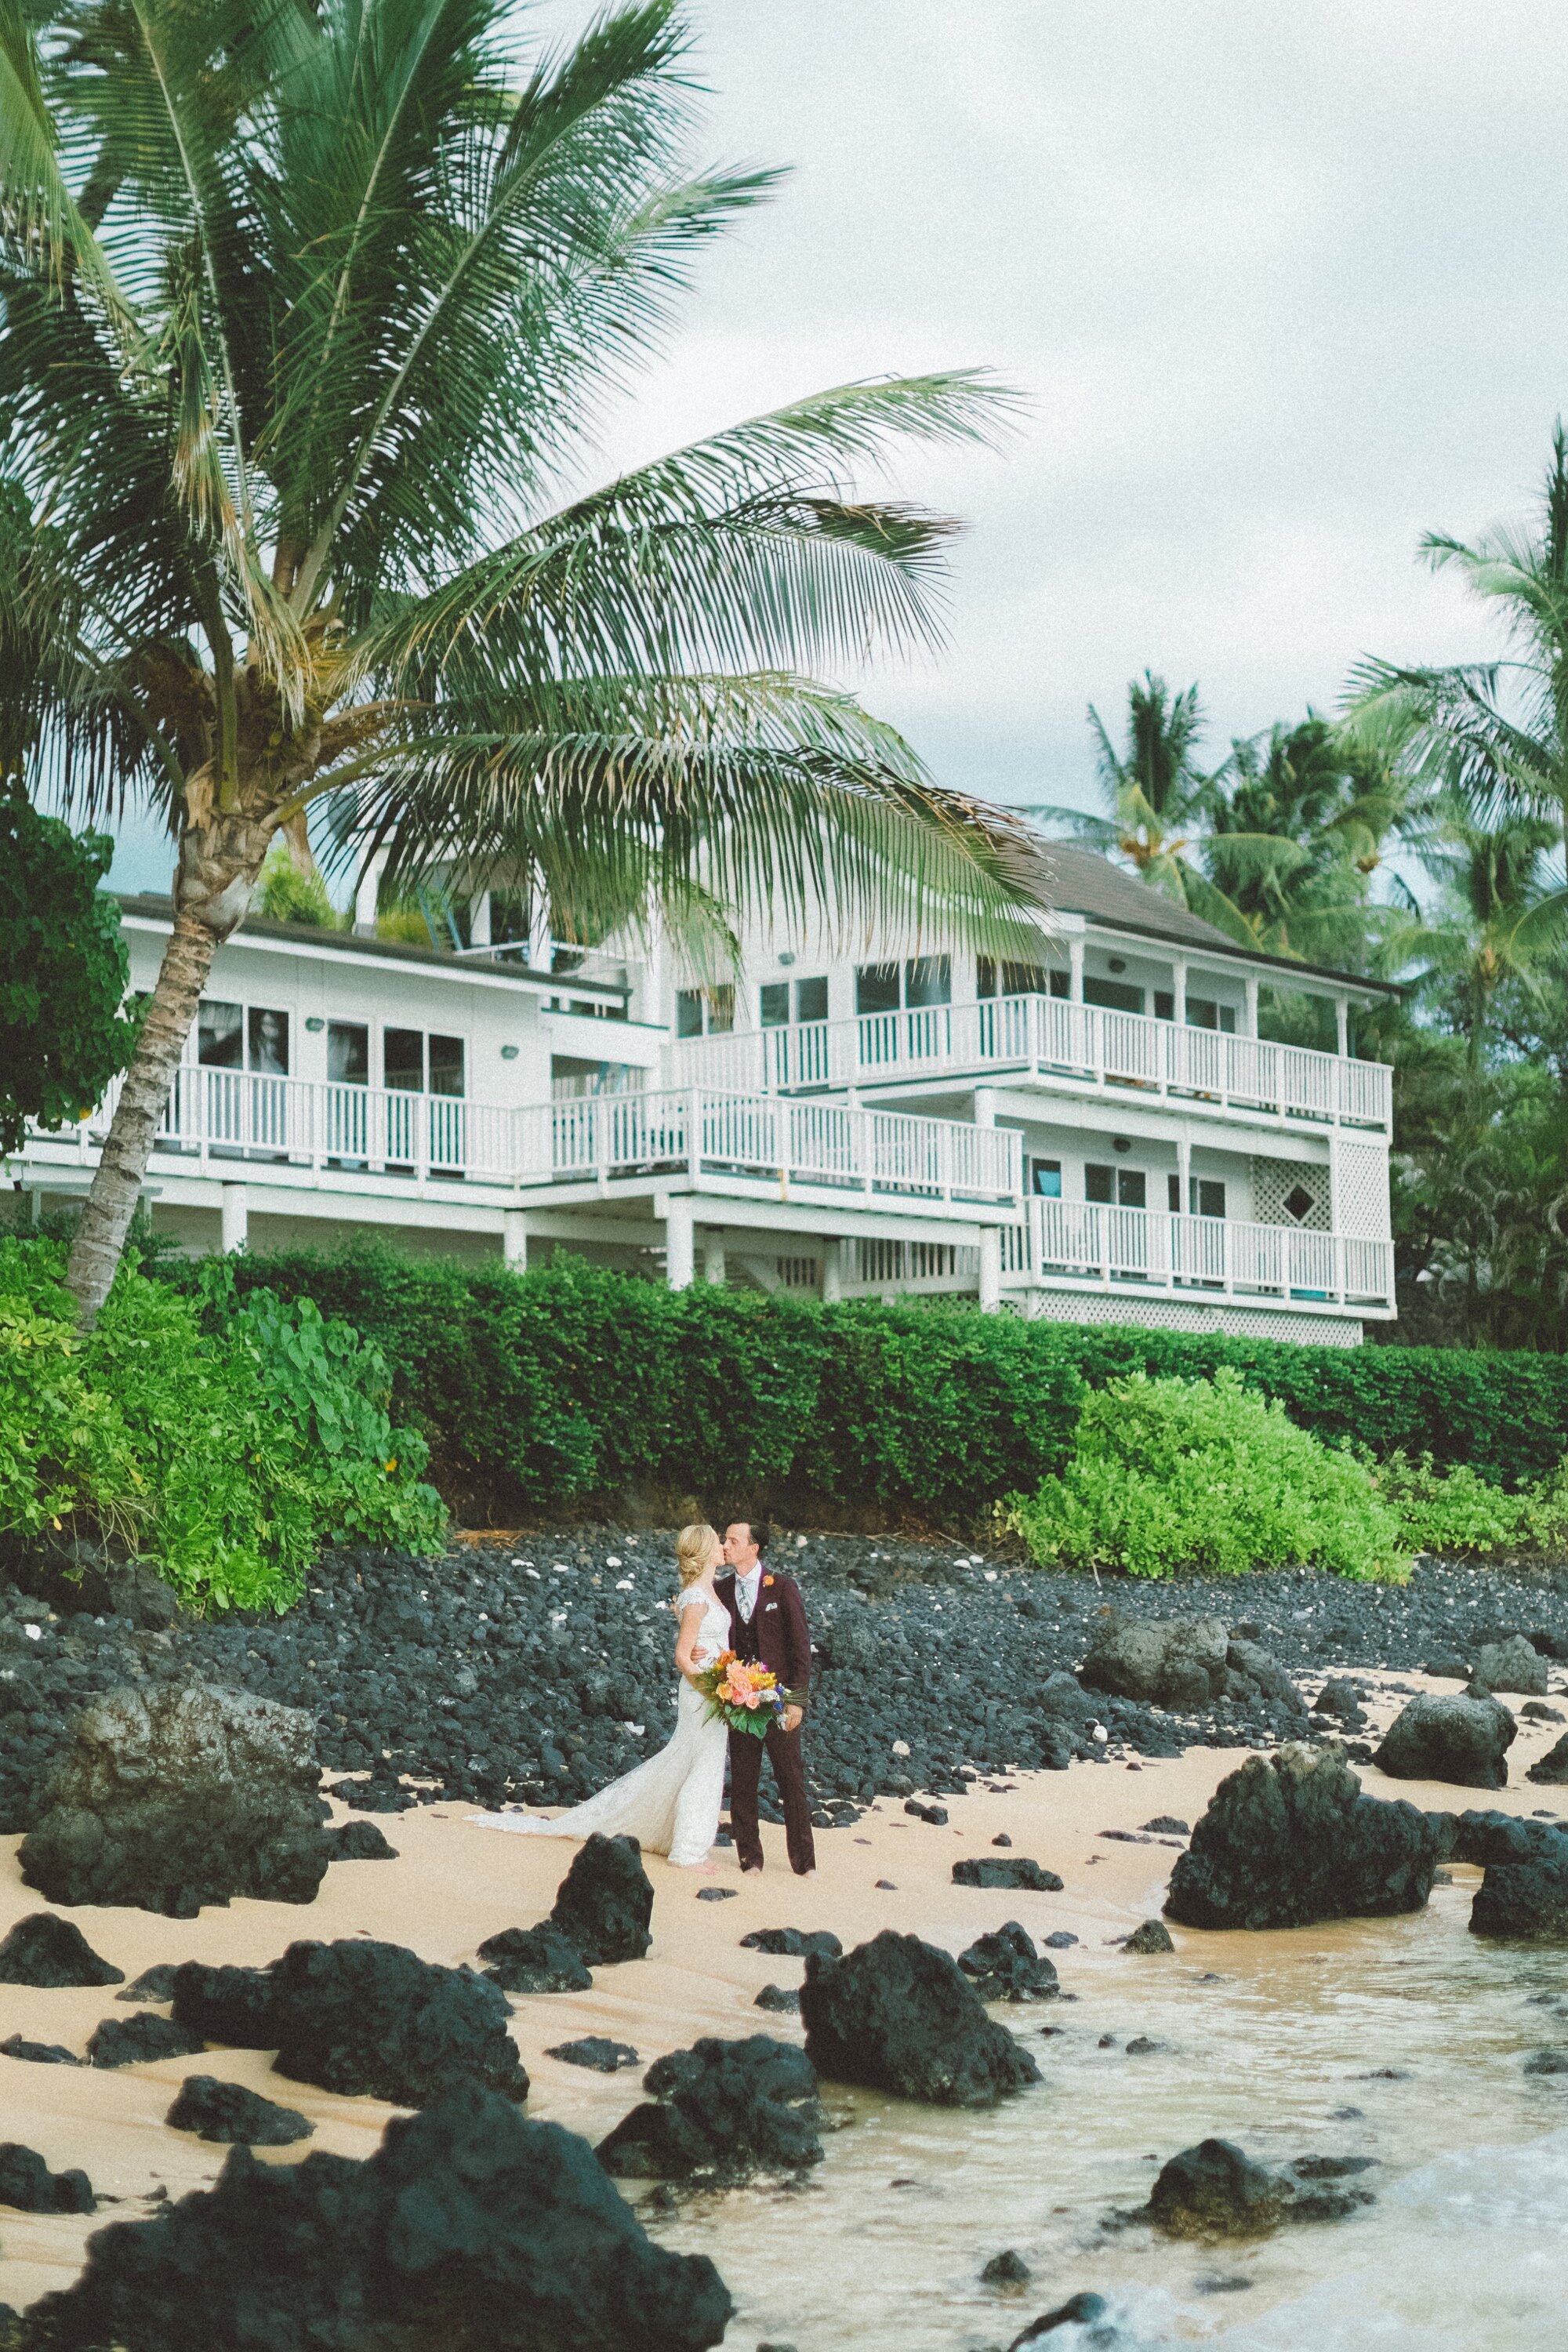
(454, 1885)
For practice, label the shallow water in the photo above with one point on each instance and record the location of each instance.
(1466, 2244)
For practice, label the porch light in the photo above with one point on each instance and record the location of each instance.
(508, 1053)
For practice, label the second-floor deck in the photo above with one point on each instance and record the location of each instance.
(232, 1124)
(1048, 1038)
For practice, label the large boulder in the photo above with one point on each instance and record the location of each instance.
(1460, 1737)
(183, 1794)
(469, 2227)
(721, 2112)
(534, 1960)
(44, 1950)
(362, 2018)
(1551, 1770)
(1015, 1871)
(1180, 1662)
(1252, 1671)
(1291, 1840)
(1526, 1899)
(897, 2015)
(605, 1903)
(1513, 1664)
(1215, 2191)
(1007, 1966)
(233, 2116)
(26, 2183)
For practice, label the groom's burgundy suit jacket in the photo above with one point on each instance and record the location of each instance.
(777, 1635)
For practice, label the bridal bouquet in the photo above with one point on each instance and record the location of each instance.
(747, 1697)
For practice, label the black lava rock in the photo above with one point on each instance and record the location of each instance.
(1539, 2062)
(469, 2227)
(228, 2112)
(534, 1960)
(1514, 1665)
(717, 1894)
(1153, 1936)
(1292, 1841)
(792, 1943)
(1090, 2311)
(936, 1815)
(1007, 1967)
(1551, 1770)
(1341, 1701)
(1167, 1825)
(43, 1949)
(1455, 1737)
(26, 2183)
(593, 2051)
(176, 1796)
(605, 1903)
(376, 1795)
(780, 1999)
(40, 2054)
(897, 2015)
(231, 2005)
(1215, 2190)
(358, 1841)
(1017, 1873)
(1525, 1900)
(1177, 1661)
(156, 1983)
(374, 2021)
(1007, 2269)
(136, 2040)
(723, 2111)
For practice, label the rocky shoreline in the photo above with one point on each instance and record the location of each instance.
(537, 1670)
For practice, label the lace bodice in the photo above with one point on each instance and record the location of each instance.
(712, 1633)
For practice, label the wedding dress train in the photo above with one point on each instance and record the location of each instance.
(671, 1803)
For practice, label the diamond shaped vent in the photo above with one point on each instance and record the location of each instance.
(1299, 1203)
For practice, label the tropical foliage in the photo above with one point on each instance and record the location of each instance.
(1205, 1477)
(309, 316)
(223, 1440)
(63, 971)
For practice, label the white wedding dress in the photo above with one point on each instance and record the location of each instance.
(671, 1803)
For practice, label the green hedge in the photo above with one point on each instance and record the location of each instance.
(571, 1381)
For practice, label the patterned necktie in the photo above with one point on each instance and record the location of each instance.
(747, 1598)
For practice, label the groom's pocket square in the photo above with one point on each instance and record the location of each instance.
(771, 1608)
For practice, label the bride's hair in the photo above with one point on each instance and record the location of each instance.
(693, 1549)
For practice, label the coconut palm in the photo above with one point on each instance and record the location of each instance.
(1152, 792)
(308, 313)
(1500, 920)
(1494, 733)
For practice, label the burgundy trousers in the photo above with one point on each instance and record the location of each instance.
(789, 1775)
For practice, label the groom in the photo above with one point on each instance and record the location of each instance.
(767, 1626)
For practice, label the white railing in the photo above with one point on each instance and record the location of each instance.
(1074, 1240)
(699, 1130)
(1044, 1035)
(228, 1118)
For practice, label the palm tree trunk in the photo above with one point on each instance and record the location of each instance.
(219, 862)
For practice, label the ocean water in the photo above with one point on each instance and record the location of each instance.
(1402, 2040)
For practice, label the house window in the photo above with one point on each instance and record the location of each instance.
(1206, 1196)
(920, 981)
(413, 1062)
(1164, 1004)
(1203, 1012)
(809, 1002)
(704, 1012)
(1116, 995)
(994, 979)
(1046, 1179)
(348, 1053)
(1125, 1188)
(254, 1039)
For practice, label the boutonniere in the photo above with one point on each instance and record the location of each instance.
(767, 1580)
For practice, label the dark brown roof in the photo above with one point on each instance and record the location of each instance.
(1080, 882)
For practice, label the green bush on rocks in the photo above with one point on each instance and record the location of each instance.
(1207, 1477)
(224, 1445)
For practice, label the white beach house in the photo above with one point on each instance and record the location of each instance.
(1093, 1130)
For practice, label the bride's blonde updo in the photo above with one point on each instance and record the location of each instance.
(693, 1549)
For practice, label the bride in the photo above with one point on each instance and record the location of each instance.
(669, 1804)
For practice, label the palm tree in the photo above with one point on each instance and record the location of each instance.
(1495, 733)
(306, 313)
(1499, 922)
(1152, 792)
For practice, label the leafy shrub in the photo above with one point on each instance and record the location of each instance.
(1176, 1475)
(1459, 1516)
(287, 896)
(223, 1443)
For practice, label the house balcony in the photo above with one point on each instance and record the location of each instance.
(1046, 1038)
(280, 1132)
(1081, 1244)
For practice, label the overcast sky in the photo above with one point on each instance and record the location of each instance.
(1285, 286)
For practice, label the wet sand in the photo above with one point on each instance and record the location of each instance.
(1264, 2038)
